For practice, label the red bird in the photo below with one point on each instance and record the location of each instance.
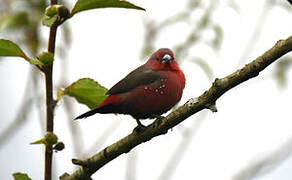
(148, 91)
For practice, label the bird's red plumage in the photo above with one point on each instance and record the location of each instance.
(151, 89)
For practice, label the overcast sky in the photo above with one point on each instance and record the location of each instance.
(253, 122)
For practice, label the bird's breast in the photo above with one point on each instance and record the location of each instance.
(157, 97)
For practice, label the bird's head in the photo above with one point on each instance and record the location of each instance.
(162, 59)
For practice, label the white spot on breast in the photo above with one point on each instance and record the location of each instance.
(156, 90)
(162, 80)
(161, 86)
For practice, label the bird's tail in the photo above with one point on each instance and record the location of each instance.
(89, 113)
(108, 106)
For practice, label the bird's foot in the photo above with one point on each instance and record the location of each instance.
(140, 128)
(156, 116)
(158, 119)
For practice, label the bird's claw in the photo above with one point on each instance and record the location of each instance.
(140, 128)
(157, 116)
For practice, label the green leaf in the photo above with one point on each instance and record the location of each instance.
(60, 10)
(51, 10)
(8, 48)
(40, 141)
(47, 57)
(83, 5)
(49, 21)
(20, 176)
(60, 94)
(36, 61)
(87, 91)
(49, 139)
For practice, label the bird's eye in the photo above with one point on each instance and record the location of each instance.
(157, 59)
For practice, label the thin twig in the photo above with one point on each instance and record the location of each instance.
(160, 126)
(39, 101)
(21, 115)
(76, 134)
(260, 24)
(262, 165)
(103, 138)
(131, 169)
(179, 152)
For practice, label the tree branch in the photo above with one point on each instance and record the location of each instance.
(50, 102)
(160, 126)
(178, 154)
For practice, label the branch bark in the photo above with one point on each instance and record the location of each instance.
(160, 126)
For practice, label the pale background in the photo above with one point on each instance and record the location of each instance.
(253, 122)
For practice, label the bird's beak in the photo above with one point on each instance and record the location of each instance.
(166, 58)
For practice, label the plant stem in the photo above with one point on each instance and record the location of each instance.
(50, 120)
(50, 102)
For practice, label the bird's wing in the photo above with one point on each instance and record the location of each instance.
(138, 77)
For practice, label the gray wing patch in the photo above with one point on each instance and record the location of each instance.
(138, 77)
